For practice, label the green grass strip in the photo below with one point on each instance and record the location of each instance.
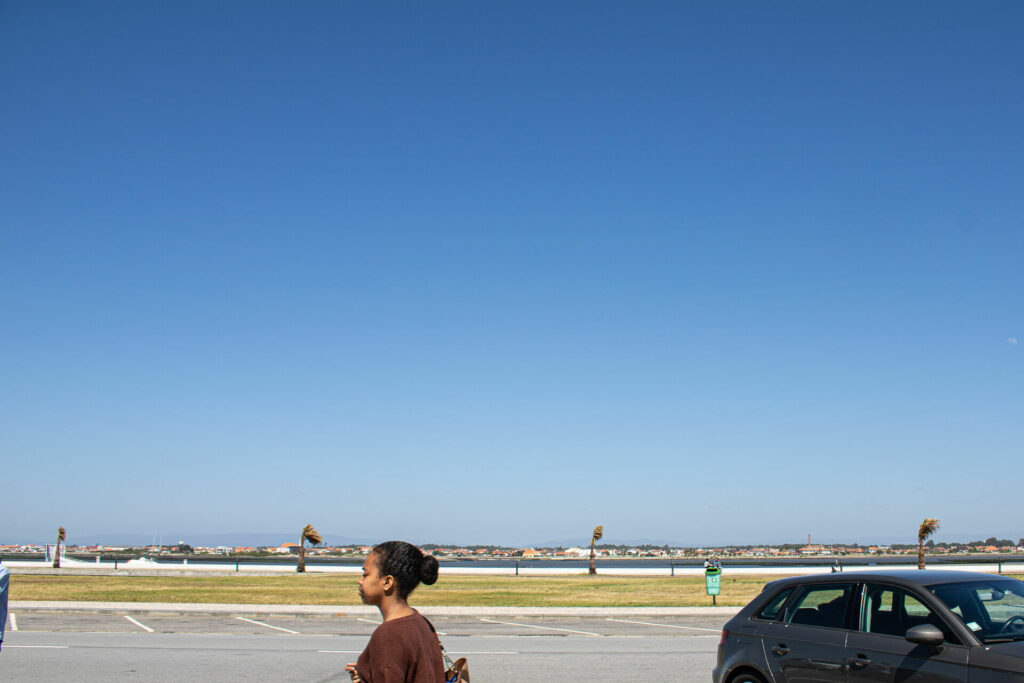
(334, 589)
(454, 591)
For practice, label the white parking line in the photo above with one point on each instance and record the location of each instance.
(139, 624)
(451, 652)
(648, 623)
(40, 647)
(543, 628)
(260, 623)
(377, 623)
(14, 622)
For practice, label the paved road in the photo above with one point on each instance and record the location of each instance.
(50, 645)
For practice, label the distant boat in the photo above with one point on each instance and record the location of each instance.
(141, 563)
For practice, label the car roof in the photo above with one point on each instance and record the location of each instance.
(909, 577)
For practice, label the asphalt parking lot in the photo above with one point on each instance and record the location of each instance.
(157, 646)
(254, 623)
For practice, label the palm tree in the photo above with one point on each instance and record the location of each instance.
(309, 533)
(598, 533)
(928, 527)
(60, 538)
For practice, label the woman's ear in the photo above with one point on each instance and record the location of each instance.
(389, 583)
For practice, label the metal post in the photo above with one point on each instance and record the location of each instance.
(236, 565)
(714, 600)
(517, 567)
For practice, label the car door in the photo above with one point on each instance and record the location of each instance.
(808, 644)
(879, 652)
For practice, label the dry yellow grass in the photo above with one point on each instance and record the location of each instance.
(323, 589)
(320, 589)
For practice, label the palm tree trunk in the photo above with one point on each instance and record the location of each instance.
(56, 556)
(593, 570)
(920, 555)
(302, 554)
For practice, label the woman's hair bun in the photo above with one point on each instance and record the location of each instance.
(428, 570)
(407, 564)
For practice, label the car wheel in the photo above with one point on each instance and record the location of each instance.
(747, 677)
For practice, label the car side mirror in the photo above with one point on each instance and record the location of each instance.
(926, 634)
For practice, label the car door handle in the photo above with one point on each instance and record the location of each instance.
(780, 650)
(860, 660)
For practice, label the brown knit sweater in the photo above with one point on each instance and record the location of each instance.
(402, 650)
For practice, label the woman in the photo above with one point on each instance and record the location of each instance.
(404, 648)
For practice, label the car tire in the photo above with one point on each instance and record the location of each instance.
(747, 677)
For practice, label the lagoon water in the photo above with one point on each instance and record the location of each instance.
(621, 566)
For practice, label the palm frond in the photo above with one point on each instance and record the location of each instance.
(928, 527)
(310, 533)
(60, 533)
(598, 532)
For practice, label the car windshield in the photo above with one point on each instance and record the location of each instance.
(992, 610)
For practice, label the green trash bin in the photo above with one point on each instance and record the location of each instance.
(713, 581)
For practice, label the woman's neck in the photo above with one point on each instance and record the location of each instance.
(394, 609)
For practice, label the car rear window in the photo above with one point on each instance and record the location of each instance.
(821, 605)
(770, 612)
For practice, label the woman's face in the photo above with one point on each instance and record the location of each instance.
(371, 585)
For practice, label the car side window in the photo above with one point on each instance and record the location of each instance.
(770, 612)
(820, 605)
(890, 611)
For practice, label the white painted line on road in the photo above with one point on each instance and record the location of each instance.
(14, 622)
(139, 624)
(260, 623)
(451, 652)
(377, 623)
(543, 628)
(40, 647)
(648, 623)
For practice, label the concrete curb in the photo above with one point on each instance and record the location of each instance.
(338, 610)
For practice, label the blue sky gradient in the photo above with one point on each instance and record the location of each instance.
(478, 273)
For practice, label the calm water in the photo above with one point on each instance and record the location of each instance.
(625, 563)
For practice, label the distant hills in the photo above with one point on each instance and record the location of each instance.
(253, 539)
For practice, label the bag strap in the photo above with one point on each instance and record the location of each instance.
(449, 664)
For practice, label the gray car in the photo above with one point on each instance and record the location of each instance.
(907, 625)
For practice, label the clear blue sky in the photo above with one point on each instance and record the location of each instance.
(492, 272)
